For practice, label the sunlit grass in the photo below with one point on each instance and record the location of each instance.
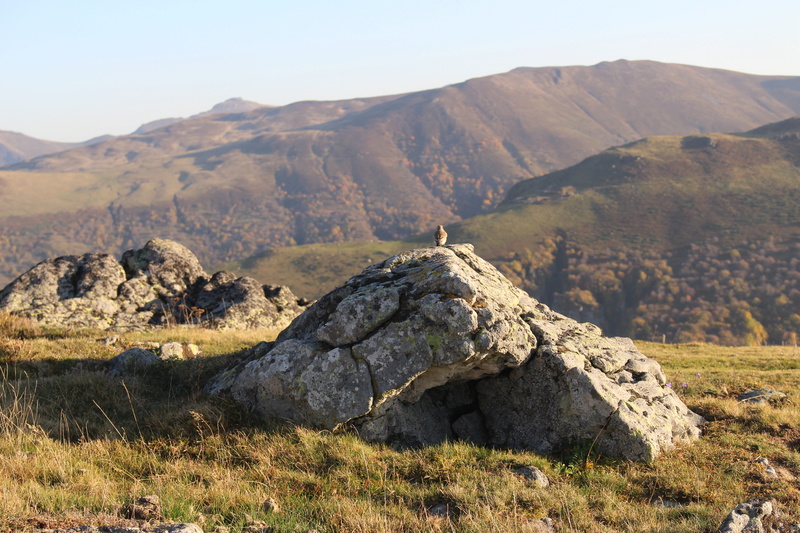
(77, 445)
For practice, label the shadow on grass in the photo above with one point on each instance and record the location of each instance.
(77, 399)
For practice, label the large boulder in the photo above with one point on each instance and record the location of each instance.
(160, 284)
(435, 344)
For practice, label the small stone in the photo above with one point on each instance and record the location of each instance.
(191, 350)
(146, 508)
(178, 528)
(257, 526)
(131, 361)
(669, 504)
(111, 341)
(441, 511)
(534, 475)
(172, 351)
(270, 505)
(543, 525)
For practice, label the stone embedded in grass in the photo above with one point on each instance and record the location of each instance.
(146, 508)
(534, 475)
(440, 511)
(769, 470)
(138, 359)
(178, 351)
(747, 517)
(435, 344)
(133, 360)
(257, 526)
(761, 396)
(172, 351)
(270, 505)
(191, 350)
(111, 340)
(176, 528)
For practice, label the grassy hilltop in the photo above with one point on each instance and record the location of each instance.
(70, 459)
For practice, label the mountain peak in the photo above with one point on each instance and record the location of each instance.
(232, 105)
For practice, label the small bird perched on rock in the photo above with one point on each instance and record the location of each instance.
(440, 236)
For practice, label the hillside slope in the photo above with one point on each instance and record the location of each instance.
(693, 238)
(16, 147)
(229, 186)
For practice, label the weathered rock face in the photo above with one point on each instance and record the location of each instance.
(747, 517)
(582, 385)
(159, 284)
(436, 344)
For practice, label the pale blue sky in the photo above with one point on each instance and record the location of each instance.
(75, 69)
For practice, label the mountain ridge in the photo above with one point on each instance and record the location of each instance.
(18, 148)
(231, 185)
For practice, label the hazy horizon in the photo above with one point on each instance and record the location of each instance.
(86, 69)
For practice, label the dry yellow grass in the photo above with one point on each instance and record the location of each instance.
(76, 446)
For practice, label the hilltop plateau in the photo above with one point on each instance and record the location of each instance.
(232, 185)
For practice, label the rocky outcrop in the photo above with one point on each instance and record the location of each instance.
(435, 344)
(159, 284)
(757, 516)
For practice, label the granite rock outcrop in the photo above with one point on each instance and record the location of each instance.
(160, 284)
(435, 344)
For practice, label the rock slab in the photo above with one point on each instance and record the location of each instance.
(435, 344)
(761, 396)
(159, 284)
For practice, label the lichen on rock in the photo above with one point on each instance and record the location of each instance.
(435, 344)
(160, 284)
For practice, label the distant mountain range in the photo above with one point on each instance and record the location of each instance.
(231, 185)
(16, 147)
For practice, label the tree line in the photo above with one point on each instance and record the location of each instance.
(748, 293)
